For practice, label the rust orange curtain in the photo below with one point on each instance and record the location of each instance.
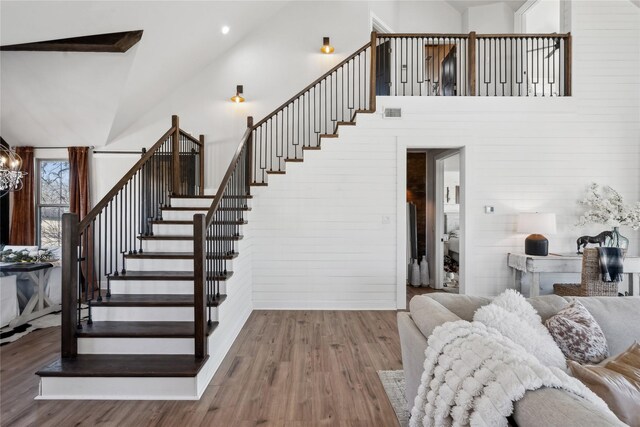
(23, 222)
(79, 203)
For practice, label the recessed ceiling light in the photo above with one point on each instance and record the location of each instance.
(225, 30)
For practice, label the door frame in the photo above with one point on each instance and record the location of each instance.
(438, 269)
(402, 146)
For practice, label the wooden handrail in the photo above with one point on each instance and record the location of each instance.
(227, 176)
(315, 82)
(190, 137)
(93, 213)
(462, 36)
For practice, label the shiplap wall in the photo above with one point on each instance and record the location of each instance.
(325, 233)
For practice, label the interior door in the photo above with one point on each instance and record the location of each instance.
(449, 73)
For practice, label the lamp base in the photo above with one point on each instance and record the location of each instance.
(536, 244)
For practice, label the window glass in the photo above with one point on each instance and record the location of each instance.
(53, 200)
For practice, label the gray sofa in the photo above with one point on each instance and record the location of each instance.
(618, 317)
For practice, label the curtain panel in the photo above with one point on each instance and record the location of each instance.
(23, 219)
(80, 204)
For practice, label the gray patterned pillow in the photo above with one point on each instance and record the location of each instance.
(578, 334)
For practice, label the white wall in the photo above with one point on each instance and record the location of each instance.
(321, 237)
(543, 17)
(488, 19)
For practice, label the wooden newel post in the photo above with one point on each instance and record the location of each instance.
(70, 296)
(202, 154)
(471, 63)
(567, 65)
(199, 282)
(372, 71)
(249, 164)
(175, 156)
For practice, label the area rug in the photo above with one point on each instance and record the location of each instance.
(393, 383)
(8, 334)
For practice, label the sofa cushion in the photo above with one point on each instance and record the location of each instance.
(578, 334)
(427, 313)
(618, 317)
(463, 306)
(548, 305)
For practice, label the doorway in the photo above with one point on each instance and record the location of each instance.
(433, 218)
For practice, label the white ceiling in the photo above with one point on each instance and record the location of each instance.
(463, 5)
(177, 43)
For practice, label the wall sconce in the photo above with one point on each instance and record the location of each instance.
(326, 46)
(237, 98)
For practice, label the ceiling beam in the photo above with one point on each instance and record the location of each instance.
(111, 42)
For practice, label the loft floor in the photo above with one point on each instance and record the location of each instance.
(286, 368)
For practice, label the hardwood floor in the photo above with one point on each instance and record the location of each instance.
(412, 292)
(286, 369)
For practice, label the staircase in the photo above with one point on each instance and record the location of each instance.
(147, 274)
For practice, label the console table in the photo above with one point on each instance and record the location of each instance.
(39, 304)
(557, 263)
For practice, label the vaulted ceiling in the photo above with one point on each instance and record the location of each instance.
(106, 94)
(462, 5)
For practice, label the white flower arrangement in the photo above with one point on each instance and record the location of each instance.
(605, 206)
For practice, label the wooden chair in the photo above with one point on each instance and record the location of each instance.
(591, 280)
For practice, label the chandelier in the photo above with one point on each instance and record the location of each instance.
(10, 173)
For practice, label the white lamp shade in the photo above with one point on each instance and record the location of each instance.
(537, 223)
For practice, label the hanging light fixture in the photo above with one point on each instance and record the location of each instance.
(237, 98)
(326, 46)
(10, 174)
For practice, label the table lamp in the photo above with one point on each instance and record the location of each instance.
(536, 224)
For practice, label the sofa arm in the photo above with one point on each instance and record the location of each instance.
(552, 407)
(413, 345)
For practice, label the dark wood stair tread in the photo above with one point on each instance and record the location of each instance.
(125, 365)
(276, 172)
(311, 148)
(346, 123)
(294, 160)
(190, 222)
(210, 196)
(177, 255)
(128, 329)
(152, 300)
(165, 275)
(169, 208)
(328, 135)
(185, 237)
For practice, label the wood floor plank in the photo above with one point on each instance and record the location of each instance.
(286, 368)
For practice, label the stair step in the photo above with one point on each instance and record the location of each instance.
(187, 222)
(311, 148)
(211, 196)
(259, 184)
(346, 123)
(177, 255)
(276, 172)
(125, 365)
(328, 135)
(152, 300)
(140, 330)
(294, 160)
(186, 237)
(232, 209)
(166, 275)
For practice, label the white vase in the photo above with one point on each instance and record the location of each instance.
(415, 274)
(424, 271)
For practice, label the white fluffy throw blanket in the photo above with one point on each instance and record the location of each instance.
(473, 374)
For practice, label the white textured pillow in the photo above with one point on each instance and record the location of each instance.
(516, 319)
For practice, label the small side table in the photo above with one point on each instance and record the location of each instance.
(39, 304)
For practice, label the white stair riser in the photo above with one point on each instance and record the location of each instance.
(181, 215)
(181, 202)
(155, 287)
(167, 245)
(118, 388)
(172, 229)
(151, 264)
(142, 314)
(152, 287)
(135, 346)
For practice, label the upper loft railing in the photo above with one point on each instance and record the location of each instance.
(94, 249)
(473, 64)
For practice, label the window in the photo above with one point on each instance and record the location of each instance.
(53, 200)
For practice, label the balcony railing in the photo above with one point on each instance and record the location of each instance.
(473, 64)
